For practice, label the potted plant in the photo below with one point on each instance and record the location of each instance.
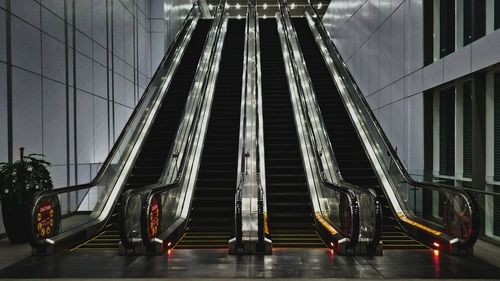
(19, 181)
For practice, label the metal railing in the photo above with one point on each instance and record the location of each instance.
(341, 227)
(250, 182)
(172, 200)
(78, 222)
(366, 211)
(243, 155)
(456, 228)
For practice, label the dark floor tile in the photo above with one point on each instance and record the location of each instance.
(282, 264)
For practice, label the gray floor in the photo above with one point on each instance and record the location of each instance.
(12, 253)
(282, 264)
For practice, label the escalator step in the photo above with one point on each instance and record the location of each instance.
(212, 211)
(288, 200)
(351, 157)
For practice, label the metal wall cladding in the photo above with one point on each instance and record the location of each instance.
(78, 69)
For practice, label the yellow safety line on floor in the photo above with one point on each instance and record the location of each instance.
(178, 241)
(88, 241)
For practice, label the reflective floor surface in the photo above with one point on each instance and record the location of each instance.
(284, 263)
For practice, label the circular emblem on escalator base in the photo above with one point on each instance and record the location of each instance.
(154, 217)
(47, 218)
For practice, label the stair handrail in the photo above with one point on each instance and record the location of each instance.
(349, 81)
(178, 168)
(238, 197)
(263, 229)
(154, 190)
(340, 186)
(319, 149)
(352, 239)
(126, 241)
(255, 85)
(41, 244)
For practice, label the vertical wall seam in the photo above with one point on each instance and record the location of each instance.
(150, 45)
(134, 50)
(66, 61)
(41, 78)
(75, 106)
(93, 83)
(113, 71)
(107, 76)
(9, 82)
(136, 70)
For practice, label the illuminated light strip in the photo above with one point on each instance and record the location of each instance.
(404, 218)
(328, 226)
(178, 241)
(87, 242)
(266, 225)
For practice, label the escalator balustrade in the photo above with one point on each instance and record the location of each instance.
(352, 159)
(211, 218)
(152, 158)
(290, 214)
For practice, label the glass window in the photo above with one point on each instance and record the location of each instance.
(447, 132)
(497, 14)
(428, 32)
(496, 143)
(496, 213)
(446, 27)
(496, 157)
(467, 9)
(467, 129)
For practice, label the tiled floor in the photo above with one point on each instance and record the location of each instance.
(282, 264)
(12, 253)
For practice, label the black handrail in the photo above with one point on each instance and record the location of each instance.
(353, 203)
(349, 80)
(173, 155)
(238, 197)
(34, 242)
(159, 188)
(261, 192)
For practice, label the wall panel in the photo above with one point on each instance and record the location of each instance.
(110, 64)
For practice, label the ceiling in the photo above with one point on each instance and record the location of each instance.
(266, 8)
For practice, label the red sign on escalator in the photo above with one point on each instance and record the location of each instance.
(154, 217)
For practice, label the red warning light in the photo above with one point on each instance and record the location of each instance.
(169, 252)
(436, 253)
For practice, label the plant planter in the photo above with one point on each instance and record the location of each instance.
(15, 218)
(19, 181)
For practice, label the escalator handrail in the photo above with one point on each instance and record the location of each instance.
(238, 198)
(126, 242)
(261, 191)
(339, 62)
(341, 185)
(354, 235)
(115, 149)
(160, 187)
(251, 11)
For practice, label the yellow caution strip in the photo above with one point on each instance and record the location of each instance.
(404, 218)
(325, 224)
(266, 225)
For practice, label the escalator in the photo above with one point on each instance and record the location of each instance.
(352, 159)
(152, 158)
(289, 207)
(211, 218)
